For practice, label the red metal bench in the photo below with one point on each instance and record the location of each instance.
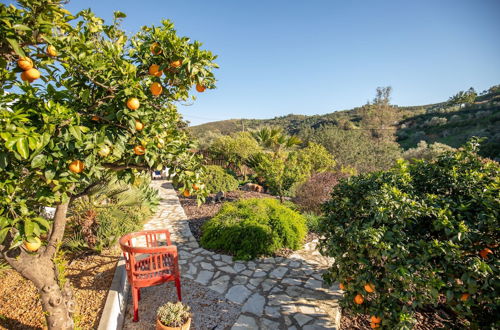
(154, 263)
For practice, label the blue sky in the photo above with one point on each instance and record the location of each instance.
(313, 57)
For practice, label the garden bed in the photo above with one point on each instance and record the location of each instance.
(90, 276)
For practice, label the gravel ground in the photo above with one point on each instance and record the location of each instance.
(90, 276)
(210, 310)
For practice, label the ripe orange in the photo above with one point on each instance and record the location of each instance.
(95, 118)
(369, 287)
(484, 253)
(200, 88)
(155, 48)
(138, 125)
(375, 319)
(186, 193)
(25, 63)
(76, 166)
(32, 247)
(32, 74)
(374, 325)
(24, 78)
(358, 299)
(154, 70)
(196, 187)
(51, 51)
(342, 286)
(133, 103)
(464, 296)
(156, 88)
(176, 64)
(139, 150)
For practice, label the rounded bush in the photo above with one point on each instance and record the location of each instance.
(254, 227)
(316, 190)
(420, 235)
(217, 179)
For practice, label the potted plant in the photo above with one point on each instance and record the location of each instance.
(172, 316)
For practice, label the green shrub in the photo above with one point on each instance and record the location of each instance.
(313, 222)
(217, 179)
(254, 227)
(416, 232)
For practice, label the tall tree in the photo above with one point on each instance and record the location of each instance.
(79, 102)
(379, 116)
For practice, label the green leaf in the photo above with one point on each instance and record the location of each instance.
(28, 227)
(21, 27)
(38, 161)
(15, 46)
(75, 131)
(22, 147)
(3, 160)
(3, 234)
(43, 222)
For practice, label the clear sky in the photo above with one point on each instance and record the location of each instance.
(312, 57)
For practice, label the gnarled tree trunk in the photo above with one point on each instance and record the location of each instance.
(57, 303)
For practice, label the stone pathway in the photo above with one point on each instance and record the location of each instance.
(266, 293)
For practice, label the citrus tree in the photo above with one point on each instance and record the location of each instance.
(80, 102)
(417, 236)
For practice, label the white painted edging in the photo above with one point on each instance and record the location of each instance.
(114, 310)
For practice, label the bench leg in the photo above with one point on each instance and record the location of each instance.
(135, 299)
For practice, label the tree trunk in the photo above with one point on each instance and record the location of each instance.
(57, 303)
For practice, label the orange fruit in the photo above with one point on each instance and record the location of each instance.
(156, 88)
(154, 70)
(51, 51)
(25, 78)
(196, 187)
(32, 247)
(374, 325)
(155, 48)
(138, 125)
(186, 193)
(95, 118)
(484, 253)
(375, 319)
(32, 74)
(25, 63)
(342, 286)
(358, 299)
(133, 103)
(369, 287)
(464, 296)
(76, 166)
(139, 150)
(200, 88)
(176, 64)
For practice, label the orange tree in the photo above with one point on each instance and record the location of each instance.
(81, 102)
(417, 236)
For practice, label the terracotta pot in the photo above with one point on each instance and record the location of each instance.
(185, 326)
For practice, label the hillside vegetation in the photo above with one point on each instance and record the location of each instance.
(450, 122)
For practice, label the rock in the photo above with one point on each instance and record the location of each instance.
(220, 263)
(273, 312)
(220, 284)
(302, 319)
(251, 265)
(198, 259)
(291, 281)
(204, 277)
(247, 272)
(238, 267)
(216, 256)
(206, 265)
(254, 304)
(294, 264)
(245, 322)
(227, 269)
(240, 280)
(268, 285)
(269, 325)
(192, 269)
(226, 258)
(256, 281)
(278, 272)
(238, 294)
(313, 284)
(259, 273)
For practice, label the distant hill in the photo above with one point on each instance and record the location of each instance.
(439, 122)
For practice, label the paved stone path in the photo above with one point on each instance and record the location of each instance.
(266, 293)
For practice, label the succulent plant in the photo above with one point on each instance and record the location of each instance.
(173, 314)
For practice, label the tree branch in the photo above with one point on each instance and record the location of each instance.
(118, 167)
(58, 227)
